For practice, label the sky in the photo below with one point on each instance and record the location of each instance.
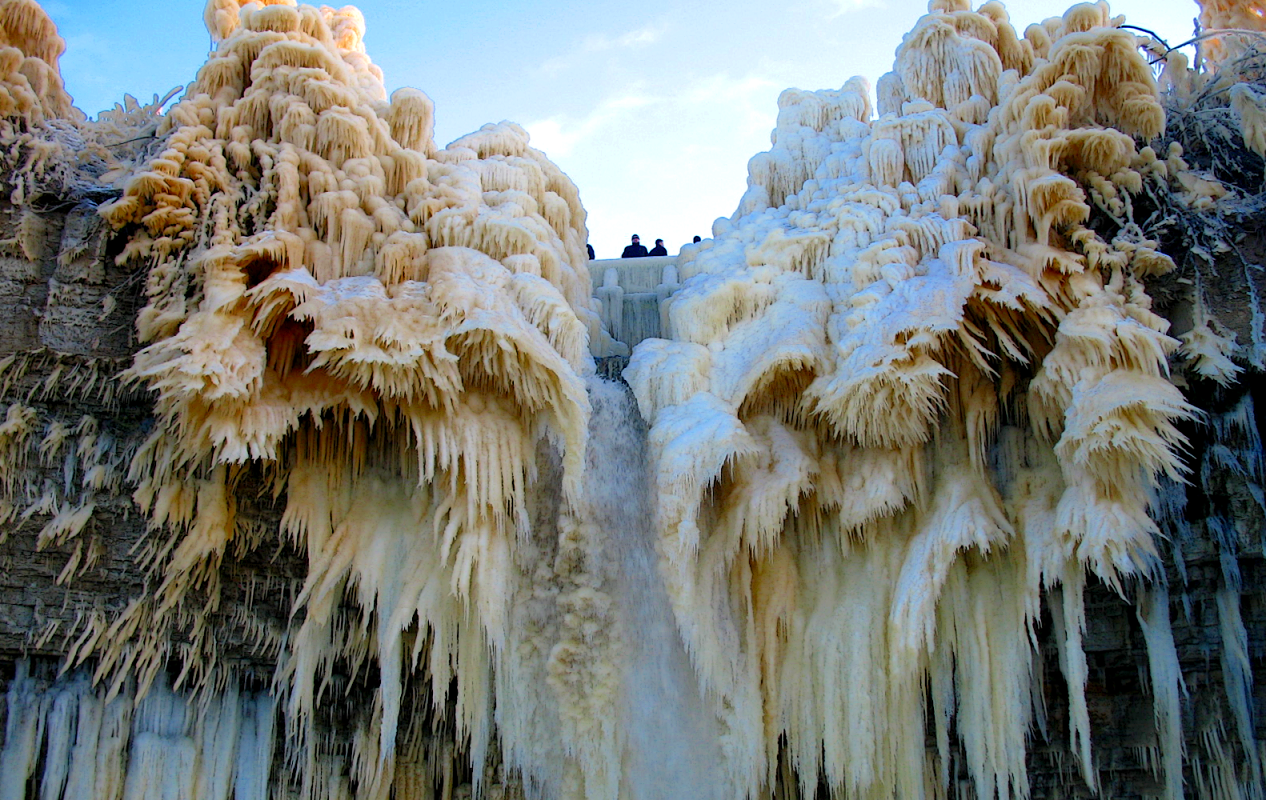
(653, 108)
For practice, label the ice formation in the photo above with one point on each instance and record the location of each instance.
(1229, 26)
(29, 49)
(385, 332)
(910, 387)
(912, 399)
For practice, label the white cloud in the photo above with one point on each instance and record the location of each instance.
(624, 116)
(602, 43)
(641, 37)
(838, 8)
(552, 67)
(724, 87)
(558, 135)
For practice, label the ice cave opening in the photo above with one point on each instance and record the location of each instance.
(327, 469)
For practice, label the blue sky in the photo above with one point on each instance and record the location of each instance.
(653, 108)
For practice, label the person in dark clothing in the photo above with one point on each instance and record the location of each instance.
(634, 250)
(697, 240)
(589, 247)
(658, 249)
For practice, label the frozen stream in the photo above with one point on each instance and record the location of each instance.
(672, 740)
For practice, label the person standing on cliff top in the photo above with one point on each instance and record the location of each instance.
(658, 249)
(634, 250)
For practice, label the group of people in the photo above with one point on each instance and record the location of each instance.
(638, 250)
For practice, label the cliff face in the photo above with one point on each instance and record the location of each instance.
(42, 617)
(308, 487)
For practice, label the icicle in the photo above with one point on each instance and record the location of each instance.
(1168, 685)
(23, 735)
(60, 733)
(1237, 675)
(1068, 612)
